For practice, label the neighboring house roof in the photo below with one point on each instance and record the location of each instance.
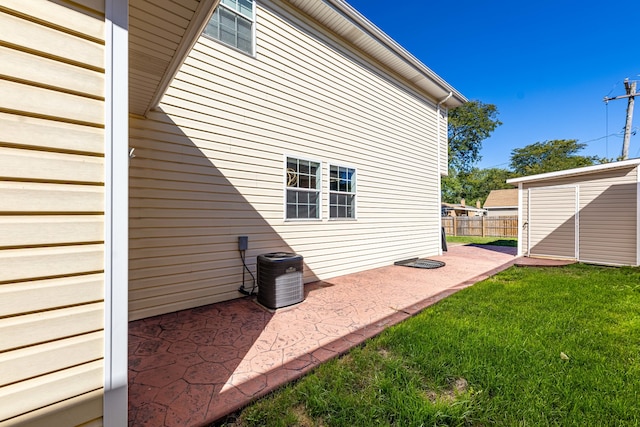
(159, 42)
(576, 171)
(507, 198)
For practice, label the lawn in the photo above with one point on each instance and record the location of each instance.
(496, 241)
(528, 347)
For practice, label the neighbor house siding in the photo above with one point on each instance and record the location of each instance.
(51, 212)
(607, 230)
(502, 211)
(209, 165)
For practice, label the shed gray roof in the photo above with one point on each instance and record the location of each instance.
(587, 170)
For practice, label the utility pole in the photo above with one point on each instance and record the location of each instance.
(631, 93)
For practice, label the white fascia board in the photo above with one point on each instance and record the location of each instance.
(520, 220)
(350, 14)
(575, 172)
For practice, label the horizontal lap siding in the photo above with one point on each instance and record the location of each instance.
(608, 229)
(51, 212)
(209, 166)
(552, 221)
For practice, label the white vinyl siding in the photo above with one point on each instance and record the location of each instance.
(208, 165)
(51, 212)
(608, 218)
(552, 221)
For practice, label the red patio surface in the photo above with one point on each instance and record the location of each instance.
(193, 367)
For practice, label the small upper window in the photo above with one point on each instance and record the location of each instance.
(303, 189)
(233, 24)
(342, 192)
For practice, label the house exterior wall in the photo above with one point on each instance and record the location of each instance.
(607, 215)
(502, 211)
(209, 165)
(51, 212)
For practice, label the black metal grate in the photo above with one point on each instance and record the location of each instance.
(420, 263)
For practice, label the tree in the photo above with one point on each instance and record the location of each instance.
(486, 180)
(550, 156)
(469, 125)
(474, 185)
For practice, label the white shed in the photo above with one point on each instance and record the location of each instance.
(589, 214)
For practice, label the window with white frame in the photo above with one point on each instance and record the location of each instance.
(303, 188)
(233, 24)
(342, 192)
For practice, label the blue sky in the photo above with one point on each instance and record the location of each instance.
(546, 65)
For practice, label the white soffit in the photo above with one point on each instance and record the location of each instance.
(161, 34)
(344, 20)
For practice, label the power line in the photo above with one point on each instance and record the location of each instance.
(630, 88)
(603, 137)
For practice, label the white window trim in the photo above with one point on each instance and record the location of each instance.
(253, 30)
(355, 193)
(285, 188)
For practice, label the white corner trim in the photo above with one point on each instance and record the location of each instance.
(116, 212)
(528, 221)
(638, 216)
(576, 222)
(520, 223)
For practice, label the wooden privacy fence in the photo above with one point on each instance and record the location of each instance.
(483, 226)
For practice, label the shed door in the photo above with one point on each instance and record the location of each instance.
(553, 221)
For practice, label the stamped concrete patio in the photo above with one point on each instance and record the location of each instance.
(195, 366)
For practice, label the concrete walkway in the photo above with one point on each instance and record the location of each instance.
(193, 367)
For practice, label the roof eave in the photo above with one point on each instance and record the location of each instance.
(362, 31)
(196, 27)
(576, 171)
(410, 68)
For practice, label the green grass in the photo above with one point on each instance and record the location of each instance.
(492, 354)
(496, 241)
